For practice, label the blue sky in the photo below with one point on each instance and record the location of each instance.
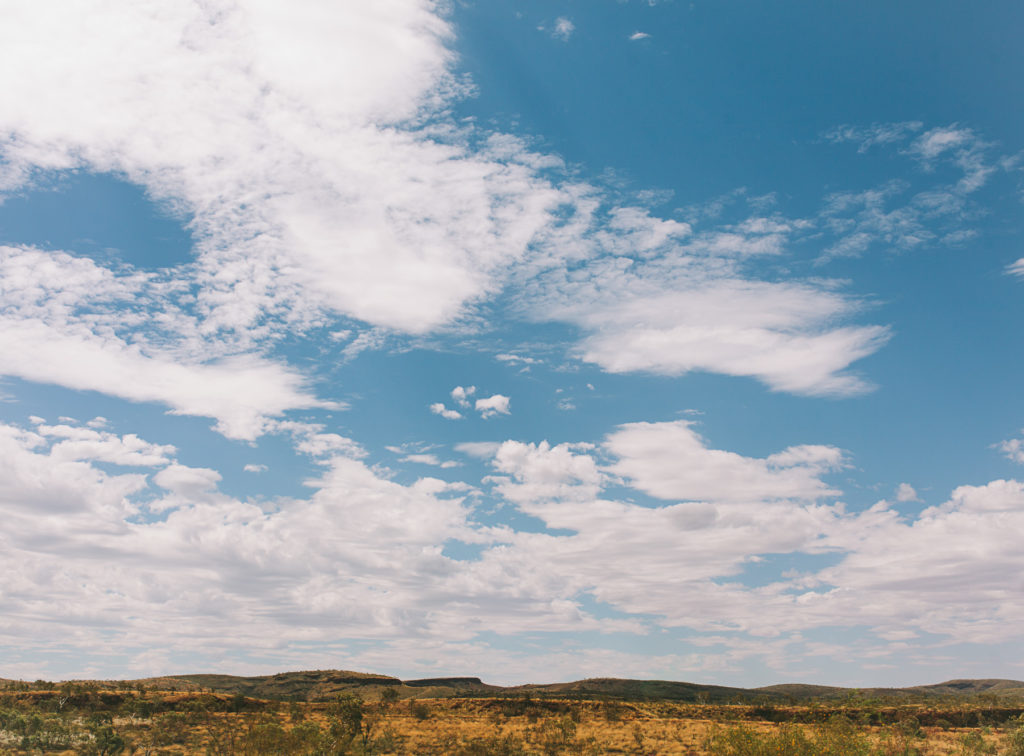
(528, 340)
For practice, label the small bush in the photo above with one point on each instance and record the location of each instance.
(974, 744)
(838, 737)
(1015, 742)
(420, 710)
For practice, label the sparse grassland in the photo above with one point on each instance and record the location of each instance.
(92, 718)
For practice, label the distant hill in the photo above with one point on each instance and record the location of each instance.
(665, 690)
(956, 688)
(323, 685)
(968, 687)
(320, 685)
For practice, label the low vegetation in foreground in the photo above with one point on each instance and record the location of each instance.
(367, 714)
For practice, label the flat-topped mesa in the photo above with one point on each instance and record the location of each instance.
(344, 679)
(448, 682)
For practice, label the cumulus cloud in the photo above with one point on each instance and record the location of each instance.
(906, 492)
(461, 394)
(187, 482)
(36, 483)
(1013, 449)
(310, 439)
(78, 443)
(361, 556)
(656, 560)
(950, 571)
(438, 408)
(498, 404)
(638, 35)
(671, 461)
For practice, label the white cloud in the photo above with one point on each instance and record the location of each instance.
(60, 324)
(638, 35)
(361, 557)
(651, 560)
(516, 359)
(422, 459)
(937, 141)
(950, 572)
(670, 320)
(438, 408)
(310, 439)
(254, 468)
(1012, 449)
(937, 215)
(187, 482)
(262, 124)
(563, 29)
(906, 492)
(879, 133)
(239, 392)
(479, 449)
(37, 485)
(1016, 268)
(265, 119)
(79, 443)
(541, 473)
(670, 461)
(461, 394)
(493, 405)
(342, 558)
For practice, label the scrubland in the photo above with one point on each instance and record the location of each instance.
(93, 718)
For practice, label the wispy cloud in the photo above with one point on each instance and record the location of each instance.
(891, 215)
(880, 133)
(563, 29)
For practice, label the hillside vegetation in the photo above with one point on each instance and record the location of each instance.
(324, 685)
(334, 712)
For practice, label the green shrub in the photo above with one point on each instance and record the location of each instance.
(510, 745)
(974, 744)
(420, 710)
(1015, 741)
(838, 737)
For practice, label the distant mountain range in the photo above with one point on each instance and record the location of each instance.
(322, 685)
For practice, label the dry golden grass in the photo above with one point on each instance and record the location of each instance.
(154, 723)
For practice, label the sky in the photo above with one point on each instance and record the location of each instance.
(533, 340)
